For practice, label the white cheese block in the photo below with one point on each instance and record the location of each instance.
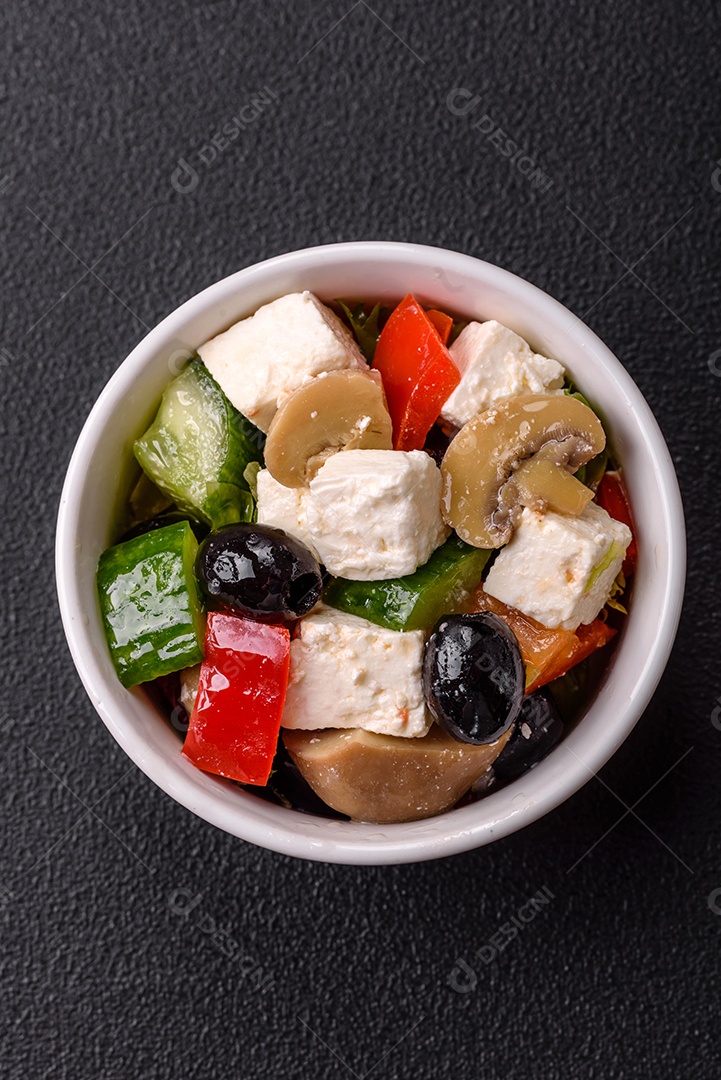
(376, 514)
(276, 350)
(559, 569)
(284, 508)
(346, 672)
(495, 364)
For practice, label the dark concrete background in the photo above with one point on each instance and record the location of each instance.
(112, 898)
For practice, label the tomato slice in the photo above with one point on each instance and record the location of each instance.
(235, 723)
(442, 322)
(417, 370)
(588, 638)
(613, 497)
(547, 653)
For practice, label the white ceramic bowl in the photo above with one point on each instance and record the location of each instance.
(99, 474)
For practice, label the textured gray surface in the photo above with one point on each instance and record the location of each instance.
(105, 974)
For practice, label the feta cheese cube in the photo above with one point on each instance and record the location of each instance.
(276, 350)
(284, 508)
(346, 672)
(495, 364)
(559, 569)
(376, 514)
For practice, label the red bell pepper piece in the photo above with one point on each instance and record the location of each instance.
(235, 723)
(417, 370)
(612, 496)
(442, 322)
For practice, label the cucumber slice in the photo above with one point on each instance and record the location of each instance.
(439, 587)
(198, 447)
(151, 608)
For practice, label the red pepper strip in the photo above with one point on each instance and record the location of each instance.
(442, 322)
(417, 370)
(235, 724)
(612, 496)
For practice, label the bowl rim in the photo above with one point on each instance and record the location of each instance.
(324, 839)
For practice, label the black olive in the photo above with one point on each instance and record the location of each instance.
(473, 676)
(259, 571)
(538, 730)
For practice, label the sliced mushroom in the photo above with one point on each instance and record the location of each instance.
(482, 491)
(385, 778)
(340, 410)
(543, 485)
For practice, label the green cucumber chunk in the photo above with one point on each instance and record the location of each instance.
(416, 602)
(151, 608)
(198, 447)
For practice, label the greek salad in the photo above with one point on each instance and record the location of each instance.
(374, 558)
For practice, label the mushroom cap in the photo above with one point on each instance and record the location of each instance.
(338, 410)
(386, 778)
(481, 499)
